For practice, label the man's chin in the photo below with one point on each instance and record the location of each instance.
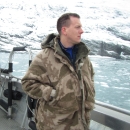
(78, 41)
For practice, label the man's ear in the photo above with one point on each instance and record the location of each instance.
(63, 30)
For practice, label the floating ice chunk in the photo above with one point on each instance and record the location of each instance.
(104, 84)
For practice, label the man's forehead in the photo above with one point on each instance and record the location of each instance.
(75, 20)
(73, 17)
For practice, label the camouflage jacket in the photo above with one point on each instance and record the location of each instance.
(51, 70)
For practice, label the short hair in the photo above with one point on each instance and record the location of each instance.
(64, 20)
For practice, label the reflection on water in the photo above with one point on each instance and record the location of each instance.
(112, 77)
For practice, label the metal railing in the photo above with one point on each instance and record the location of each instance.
(8, 105)
(111, 116)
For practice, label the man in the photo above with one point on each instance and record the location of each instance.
(61, 78)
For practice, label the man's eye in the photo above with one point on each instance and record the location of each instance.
(78, 27)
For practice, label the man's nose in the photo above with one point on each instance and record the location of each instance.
(81, 31)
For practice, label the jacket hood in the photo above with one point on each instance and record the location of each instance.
(49, 42)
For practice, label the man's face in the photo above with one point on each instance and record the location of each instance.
(73, 31)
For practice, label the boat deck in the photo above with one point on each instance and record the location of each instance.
(10, 124)
(96, 126)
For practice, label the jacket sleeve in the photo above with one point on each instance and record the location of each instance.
(92, 95)
(35, 83)
(92, 74)
(89, 84)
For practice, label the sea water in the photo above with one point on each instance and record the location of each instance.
(112, 81)
(112, 77)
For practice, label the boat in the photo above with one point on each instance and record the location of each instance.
(17, 108)
(124, 57)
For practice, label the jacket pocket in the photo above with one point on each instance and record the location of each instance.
(62, 108)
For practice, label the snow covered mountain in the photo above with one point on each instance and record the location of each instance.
(28, 22)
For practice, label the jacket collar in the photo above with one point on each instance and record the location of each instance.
(52, 41)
